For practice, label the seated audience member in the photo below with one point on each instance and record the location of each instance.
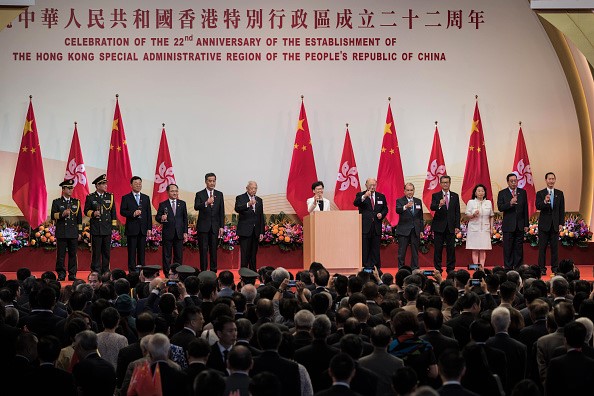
(451, 370)
(93, 375)
(239, 365)
(571, 374)
(342, 371)
(380, 361)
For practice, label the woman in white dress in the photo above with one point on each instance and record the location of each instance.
(318, 202)
(480, 224)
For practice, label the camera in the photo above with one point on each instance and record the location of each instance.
(172, 282)
(292, 283)
(474, 267)
(475, 282)
(428, 272)
(369, 270)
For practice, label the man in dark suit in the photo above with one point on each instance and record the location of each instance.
(551, 203)
(136, 208)
(433, 319)
(410, 225)
(373, 209)
(100, 207)
(512, 202)
(41, 321)
(67, 215)
(240, 364)
(445, 224)
(173, 380)
(451, 369)
(93, 375)
(192, 319)
(470, 303)
(226, 331)
(46, 378)
(250, 224)
(210, 205)
(514, 350)
(342, 371)
(145, 325)
(173, 215)
(571, 374)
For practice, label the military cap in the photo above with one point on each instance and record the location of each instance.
(247, 273)
(185, 269)
(67, 183)
(150, 270)
(100, 179)
(207, 276)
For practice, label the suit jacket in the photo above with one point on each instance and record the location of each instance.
(445, 218)
(317, 208)
(41, 323)
(285, 369)
(514, 216)
(570, 374)
(384, 365)
(337, 390)
(94, 376)
(409, 221)
(477, 378)
(71, 226)
(176, 225)
(249, 221)
(545, 346)
(126, 356)
(173, 380)
(461, 326)
(369, 219)
(515, 352)
(47, 379)
(210, 217)
(440, 342)
(550, 217)
(455, 390)
(103, 224)
(237, 382)
(136, 225)
(316, 359)
(183, 338)
(215, 359)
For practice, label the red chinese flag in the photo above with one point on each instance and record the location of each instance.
(390, 179)
(303, 167)
(163, 173)
(119, 172)
(347, 183)
(523, 171)
(75, 169)
(477, 167)
(28, 187)
(435, 169)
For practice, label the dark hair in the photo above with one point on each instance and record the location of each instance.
(404, 321)
(240, 358)
(221, 321)
(145, 323)
(404, 380)
(507, 290)
(451, 364)
(575, 334)
(23, 273)
(172, 184)
(198, 348)
(563, 313)
(265, 384)
(549, 173)
(510, 175)
(317, 183)
(342, 367)
(121, 286)
(209, 174)
(526, 387)
(135, 178)
(192, 284)
(445, 177)
(352, 345)
(320, 303)
(433, 319)
(269, 336)
(209, 382)
(48, 348)
(474, 190)
(110, 317)
(226, 278)
(381, 336)
(207, 288)
(480, 330)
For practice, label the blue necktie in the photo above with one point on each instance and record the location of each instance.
(552, 193)
(137, 199)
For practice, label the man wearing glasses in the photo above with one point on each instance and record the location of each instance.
(67, 216)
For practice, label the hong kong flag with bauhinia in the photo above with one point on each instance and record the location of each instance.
(347, 182)
(303, 167)
(435, 170)
(390, 178)
(523, 171)
(75, 169)
(119, 172)
(164, 175)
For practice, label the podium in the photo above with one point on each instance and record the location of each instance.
(333, 238)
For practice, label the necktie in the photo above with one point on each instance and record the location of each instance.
(447, 200)
(254, 206)
(173, 206)
(552, 194)
(225, 355)
(372, 201)
(137, 199)
(412, 208)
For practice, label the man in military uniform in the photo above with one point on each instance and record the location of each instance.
(67, 215)
(101, 209)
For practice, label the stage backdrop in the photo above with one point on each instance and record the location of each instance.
(226, 78)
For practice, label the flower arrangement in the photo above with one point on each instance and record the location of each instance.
(496, 233)
(45, 236)
(388, 236)
(283, 232)
(575, 232)
(230, 238)
(12, 238)
(192, 239)
(426, 238)
(154, 240)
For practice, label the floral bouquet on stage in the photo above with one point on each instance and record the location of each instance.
(496, 233)
(284, 232)
(192, 240)
(12, 238)
(118, 238)
(426, 238)
(460, 237)
(531, 236)
(575, 232)
(45, 236)
(230, 238)
(154, 240)
(387, 237)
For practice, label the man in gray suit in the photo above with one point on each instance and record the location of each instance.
(564, 314)
(410, 225)
(380, 361)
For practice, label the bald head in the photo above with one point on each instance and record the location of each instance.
(251, 188)
(370, 184)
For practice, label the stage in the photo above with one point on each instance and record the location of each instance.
(39, 260)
